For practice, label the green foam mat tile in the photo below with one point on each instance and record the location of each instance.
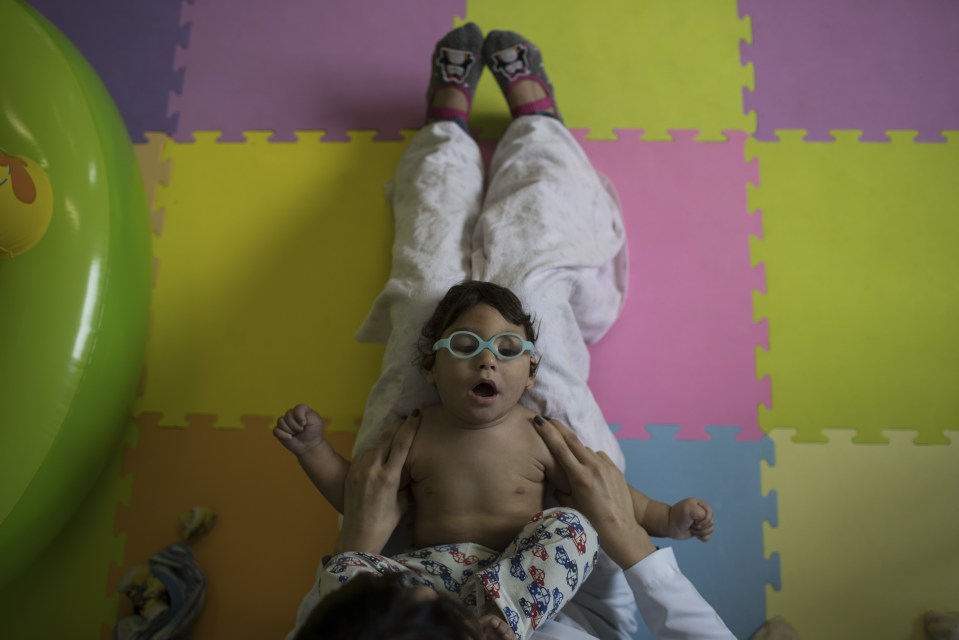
(862, 274)
(612, 67)
(270, 257)
(65, 593)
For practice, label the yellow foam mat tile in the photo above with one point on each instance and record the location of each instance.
(862, 275)
(66, 593)
(270, 257)
(612, 69)
(868, 535)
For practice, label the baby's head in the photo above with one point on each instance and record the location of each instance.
(463, 297)
(472, 380)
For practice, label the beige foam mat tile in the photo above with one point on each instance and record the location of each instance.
(868, 534)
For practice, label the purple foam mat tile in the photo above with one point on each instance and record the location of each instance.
(869, 65)
(305, 65)
(131, 45)
(683, 350)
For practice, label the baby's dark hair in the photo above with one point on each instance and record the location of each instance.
(377, 607)
(460, 299)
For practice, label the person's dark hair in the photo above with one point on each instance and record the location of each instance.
(461, 298)
(382, 607)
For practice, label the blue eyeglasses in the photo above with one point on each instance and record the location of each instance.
(466, 344)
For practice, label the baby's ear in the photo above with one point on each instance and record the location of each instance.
(530, 382)
(428, 375)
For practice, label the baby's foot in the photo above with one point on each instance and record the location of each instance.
(455, 71)
(517, 65)
(494, 627)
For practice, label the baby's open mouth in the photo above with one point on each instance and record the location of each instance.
(485, 389)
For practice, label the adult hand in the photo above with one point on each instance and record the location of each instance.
(374, 500)
(599, 491)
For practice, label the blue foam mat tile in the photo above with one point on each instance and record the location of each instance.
(731, 570)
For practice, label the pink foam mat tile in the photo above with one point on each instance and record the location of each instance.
(869, 65)
(304, 65)
(683, 351)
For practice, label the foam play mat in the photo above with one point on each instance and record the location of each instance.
(788, 348)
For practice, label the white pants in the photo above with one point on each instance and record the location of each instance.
(549, 229)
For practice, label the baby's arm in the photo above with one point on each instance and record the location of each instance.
(301, 431)
(686, 519)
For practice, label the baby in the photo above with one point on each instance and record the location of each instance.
(477, 470)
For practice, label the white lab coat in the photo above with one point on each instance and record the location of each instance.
(669, 604)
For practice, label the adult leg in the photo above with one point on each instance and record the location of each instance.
(551, 230)
(436, 196)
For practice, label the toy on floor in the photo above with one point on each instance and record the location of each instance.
(167, 594)
(196, 521)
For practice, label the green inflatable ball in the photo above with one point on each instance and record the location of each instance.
(74, 287)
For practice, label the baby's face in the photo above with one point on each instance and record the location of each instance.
(480, 391)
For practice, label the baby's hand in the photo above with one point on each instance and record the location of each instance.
(691, 518)
(300, 429)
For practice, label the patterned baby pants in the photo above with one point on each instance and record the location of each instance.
(529, 581)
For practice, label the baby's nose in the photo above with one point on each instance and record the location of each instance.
(486, 359)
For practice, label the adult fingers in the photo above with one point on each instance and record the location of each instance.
(581, 452)
(381, 451)
(605, 458)
(402, 441)
(552, 435)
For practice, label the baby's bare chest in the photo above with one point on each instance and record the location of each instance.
(492, 463)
